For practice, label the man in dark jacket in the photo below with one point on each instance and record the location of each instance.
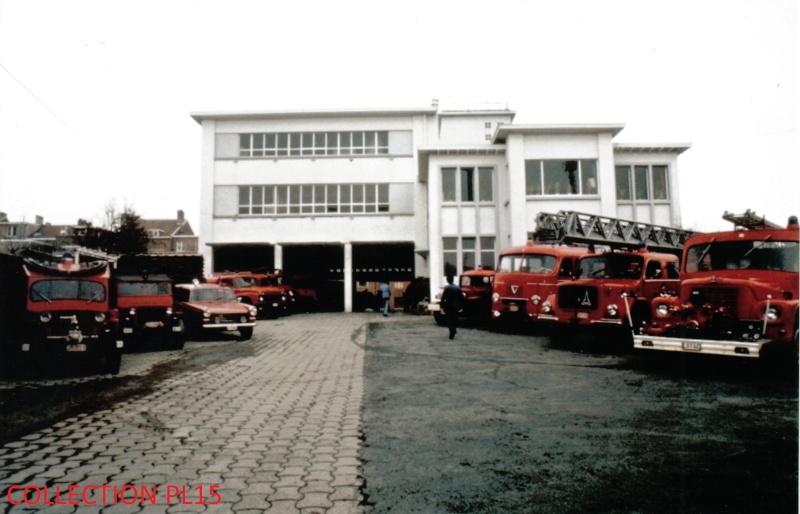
(452, 299)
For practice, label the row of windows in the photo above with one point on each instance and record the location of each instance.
(469, 252)
(313, 199)
(642, 182)
(467, 184)
(560, 177)
(314, 143)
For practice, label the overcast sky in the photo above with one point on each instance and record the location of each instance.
(96, 96)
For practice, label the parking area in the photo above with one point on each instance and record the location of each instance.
(335, 413)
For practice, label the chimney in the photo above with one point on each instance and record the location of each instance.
(39, 220)
(180, 216)
(3, 217)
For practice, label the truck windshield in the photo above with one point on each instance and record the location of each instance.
(762, 254)
(527, 263)
(212, 295)
(144, 289)
(244, 282)
(611, 265)
(50, 290)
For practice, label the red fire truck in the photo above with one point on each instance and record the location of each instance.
(738, 293)
(593, 298)
(527, 275)
(54, 309)
(270, 300)
(476, 285)
(638, 262)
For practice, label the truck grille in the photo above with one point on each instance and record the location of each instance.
(219, 319)
(716, 297)
(577, 297)
(145, 314)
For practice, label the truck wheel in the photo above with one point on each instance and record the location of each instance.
(176, 340)
(111, 362)
(245, 333)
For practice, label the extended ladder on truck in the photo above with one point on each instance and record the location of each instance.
(749, 220)
(583, 228)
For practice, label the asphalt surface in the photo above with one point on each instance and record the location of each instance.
(357, 413)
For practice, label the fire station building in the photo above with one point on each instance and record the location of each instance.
(341, 198)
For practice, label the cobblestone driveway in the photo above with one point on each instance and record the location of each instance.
(278, 430)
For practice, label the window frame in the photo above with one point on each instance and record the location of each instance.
(476, 190)
(306, 200)
(537, 171)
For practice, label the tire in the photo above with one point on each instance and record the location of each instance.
(111, 362)
(176, 340)
(245, 333)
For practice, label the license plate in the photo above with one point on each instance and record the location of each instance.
(80, 347)
(152, 324)
(513, 307)
(230, 329)
(583, 315)
(692, 346)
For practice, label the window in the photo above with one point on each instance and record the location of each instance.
(642, 182)
(461, 254)
(313, 199)
(314, 144)
(557, 177)
(468, 184)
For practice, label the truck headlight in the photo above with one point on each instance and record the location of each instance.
(612, 310)
(100, 317)
(535, 299)
(206, 313)
(662, 310)
(772, 314)
(495, 297)
(261, 299)
(253, 311)
(45, 317)
(547, 308)
(169, 311)
(132, 312)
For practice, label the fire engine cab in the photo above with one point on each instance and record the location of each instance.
(527, 275)
(738, 293)
(51, 310)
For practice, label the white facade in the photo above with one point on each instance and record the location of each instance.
(444, 185)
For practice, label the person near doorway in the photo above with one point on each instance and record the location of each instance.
(452, 300)
(386, 297)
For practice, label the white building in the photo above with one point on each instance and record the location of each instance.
(346, 197)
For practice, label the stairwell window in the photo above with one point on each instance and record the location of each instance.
(642, 183)
(468, 184)
(560, 177)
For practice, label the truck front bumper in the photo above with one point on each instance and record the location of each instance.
(751, 349)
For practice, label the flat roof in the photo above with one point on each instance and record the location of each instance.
(503, 131)
(651, 147)
(310, 114)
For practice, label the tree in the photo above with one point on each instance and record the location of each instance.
(122, 233)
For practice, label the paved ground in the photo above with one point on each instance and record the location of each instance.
(304, 419)
(274, 430)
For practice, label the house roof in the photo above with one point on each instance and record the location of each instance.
(168, 228)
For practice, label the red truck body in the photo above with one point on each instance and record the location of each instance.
(59, 309)
(251, 288)
(738, 295)
(605, 281)
(146, 311)
(527, 275)
(477, 286)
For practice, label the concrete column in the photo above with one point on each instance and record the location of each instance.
(348, 277)
(278, 257)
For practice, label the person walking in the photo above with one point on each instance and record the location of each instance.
(452, 299)
(386, 296)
